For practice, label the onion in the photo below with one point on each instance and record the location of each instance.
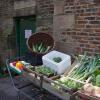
(97, 91)
(89, 89)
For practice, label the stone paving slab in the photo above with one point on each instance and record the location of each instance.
(7, 92)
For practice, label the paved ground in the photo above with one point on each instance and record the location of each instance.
(7, 92)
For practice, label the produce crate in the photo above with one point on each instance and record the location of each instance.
(49, 83)
(35, 77)
(83, 95)
(62, 92)
(33, 71)
(46, 82)
(89, 92)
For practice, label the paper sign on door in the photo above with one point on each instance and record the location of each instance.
(28, 33)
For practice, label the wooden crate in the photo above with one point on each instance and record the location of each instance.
(83, 95)
(46, 83)
(35, 77)
(63, 92)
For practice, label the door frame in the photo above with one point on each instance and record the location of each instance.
(17, 30)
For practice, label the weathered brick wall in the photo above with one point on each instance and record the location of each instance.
(6, 28)
(75, 24)
(84, 35)
(24, 7)
(8, 10)
(44, 12)
(88, 27)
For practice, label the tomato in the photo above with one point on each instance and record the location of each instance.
(19, 65)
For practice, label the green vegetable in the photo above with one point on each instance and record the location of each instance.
(57, 59)
(48, 47)
(44, 70)
(98, 80)
(85, 68)
(40, 47)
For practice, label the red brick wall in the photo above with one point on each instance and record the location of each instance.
(45, 7)
(86, 32)
(85, 36)
(44, 13)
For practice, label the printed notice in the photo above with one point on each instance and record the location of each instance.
(28, 33)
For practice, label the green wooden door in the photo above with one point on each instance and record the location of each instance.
(24, 27)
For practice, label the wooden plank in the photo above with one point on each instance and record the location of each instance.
(47, 86)
(85, 96)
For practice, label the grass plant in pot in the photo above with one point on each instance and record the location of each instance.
(39, 44)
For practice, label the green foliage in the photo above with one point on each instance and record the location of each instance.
(85, 68)
(57, 59)
(98, 80)
(40, 47)
(44, 70)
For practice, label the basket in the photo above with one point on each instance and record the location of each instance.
(40, 37)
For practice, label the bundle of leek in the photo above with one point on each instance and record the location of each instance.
(40, 47)
(81, 72)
